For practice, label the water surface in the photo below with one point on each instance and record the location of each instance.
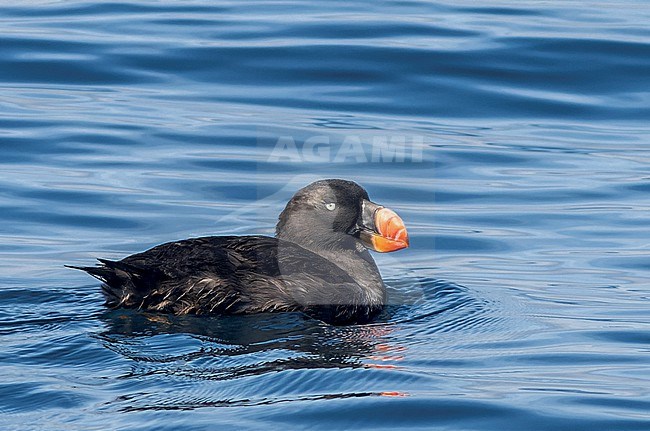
(521, 304)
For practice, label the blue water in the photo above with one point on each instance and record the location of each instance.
(518, 156)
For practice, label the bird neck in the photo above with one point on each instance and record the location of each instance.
(360, 265)
(348, 254)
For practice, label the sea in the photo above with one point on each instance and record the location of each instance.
(512, 137)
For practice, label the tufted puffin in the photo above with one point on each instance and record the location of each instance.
(318, 263)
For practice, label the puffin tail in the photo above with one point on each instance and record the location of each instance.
(119, 281)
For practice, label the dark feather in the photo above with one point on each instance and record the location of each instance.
(250, 274)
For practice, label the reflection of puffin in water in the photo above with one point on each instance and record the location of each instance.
(318, 263)
(230, 348)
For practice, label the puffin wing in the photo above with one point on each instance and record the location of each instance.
(228, 274)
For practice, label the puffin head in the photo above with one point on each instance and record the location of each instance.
(339, 214)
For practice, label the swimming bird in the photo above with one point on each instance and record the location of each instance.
(317, 263)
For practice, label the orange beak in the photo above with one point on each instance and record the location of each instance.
(392, 232)
(381, 229)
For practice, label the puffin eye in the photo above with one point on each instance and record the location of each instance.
(330, 206)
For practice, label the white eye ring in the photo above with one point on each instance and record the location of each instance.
(330, 206)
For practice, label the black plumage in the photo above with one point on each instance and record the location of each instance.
(318, 263)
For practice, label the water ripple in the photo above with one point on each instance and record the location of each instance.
(521, 303)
